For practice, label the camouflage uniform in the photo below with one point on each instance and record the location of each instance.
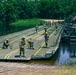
(5, 44)
(55, 25)
(31, 43)
(36, 27)
(21, 45)
(45, 28)
(46, 39)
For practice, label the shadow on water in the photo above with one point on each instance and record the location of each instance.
(65, 53)
(51, 61)
(72, 51)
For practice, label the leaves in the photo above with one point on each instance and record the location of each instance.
(13, 10)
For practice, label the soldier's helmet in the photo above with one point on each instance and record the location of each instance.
(7, 40)
(30, 39)
(23, 38)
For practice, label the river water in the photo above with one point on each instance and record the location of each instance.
(65, 53)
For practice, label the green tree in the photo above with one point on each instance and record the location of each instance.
(9, 14)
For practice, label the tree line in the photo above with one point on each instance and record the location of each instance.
(13, 10)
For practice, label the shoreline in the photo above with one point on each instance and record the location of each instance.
(7, 68)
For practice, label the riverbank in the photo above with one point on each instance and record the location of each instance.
(7, 68)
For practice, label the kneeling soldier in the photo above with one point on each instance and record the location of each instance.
(31, 43)
(5, 44)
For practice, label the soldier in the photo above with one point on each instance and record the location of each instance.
(46, 39)
(36, 27)
(23, 39)
(31, 43)
(5, 44)
(45, 28)
(55, 25)
(21, 45)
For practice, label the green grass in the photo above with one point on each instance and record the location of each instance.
(70, 63)
(29, 23)
(25, 24)
(21, 25)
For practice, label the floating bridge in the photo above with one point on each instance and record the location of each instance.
(39, 51)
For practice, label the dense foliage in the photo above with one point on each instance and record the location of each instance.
(25, 24)
(13, 10)
(21, 25)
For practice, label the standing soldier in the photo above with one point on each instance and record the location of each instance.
(5, 44)
(45, 28)
(46, 39)
(36, 27)
(55, 25)
(21, 45)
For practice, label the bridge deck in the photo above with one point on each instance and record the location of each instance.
(39, 50)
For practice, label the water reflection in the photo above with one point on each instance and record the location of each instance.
(72, 52)
(50, 61)
(65, 53)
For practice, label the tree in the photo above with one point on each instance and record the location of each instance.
(9, 15)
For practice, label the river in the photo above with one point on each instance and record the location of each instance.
(65, 53)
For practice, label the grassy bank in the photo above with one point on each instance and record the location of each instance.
(21, 25)
(70, 63)
(25, 24)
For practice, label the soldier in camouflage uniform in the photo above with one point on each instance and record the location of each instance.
(31, 43)
(45, 28)
(46, 39)
(21, 45)
(36, 27)
(5, 44)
